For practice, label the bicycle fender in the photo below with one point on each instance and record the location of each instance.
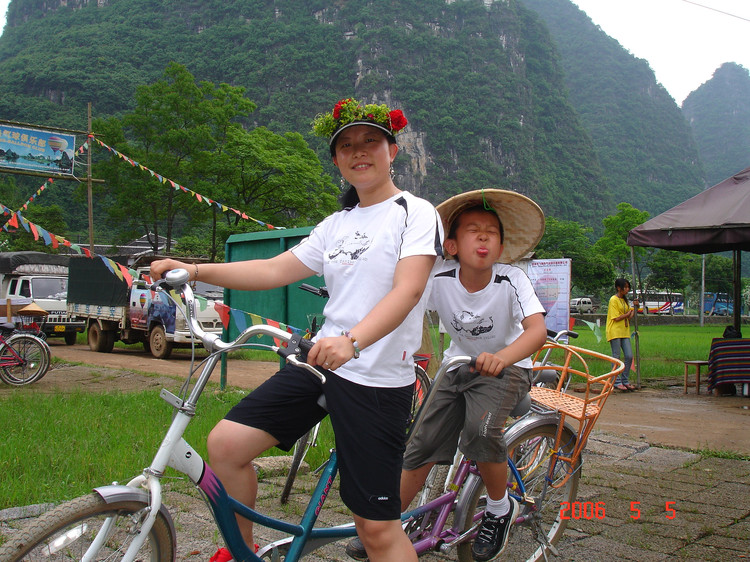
(119, 493)
(533, 421)
(464, 497)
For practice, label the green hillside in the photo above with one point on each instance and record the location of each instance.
(719, 114)
(640, 136)
(489, 99)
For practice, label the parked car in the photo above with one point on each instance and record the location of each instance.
(582, 305)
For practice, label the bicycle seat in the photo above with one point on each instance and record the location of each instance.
(523, 406)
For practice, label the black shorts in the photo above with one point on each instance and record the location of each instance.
(369, 424)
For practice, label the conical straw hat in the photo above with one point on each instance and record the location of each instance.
(522, 218)
(32, 309)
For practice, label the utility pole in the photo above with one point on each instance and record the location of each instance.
(88, 183)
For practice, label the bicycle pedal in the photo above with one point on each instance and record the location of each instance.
(528, 500)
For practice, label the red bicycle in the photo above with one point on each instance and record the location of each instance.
(24, 358)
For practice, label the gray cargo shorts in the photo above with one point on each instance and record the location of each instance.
(470, 407)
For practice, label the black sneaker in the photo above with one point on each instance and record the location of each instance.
(355, 549)
(493, 534)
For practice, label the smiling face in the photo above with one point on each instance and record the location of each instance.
(475, 239)
(364, 155)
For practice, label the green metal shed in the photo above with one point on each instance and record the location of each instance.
(289, 305)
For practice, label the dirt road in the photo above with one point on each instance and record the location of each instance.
(663, 416)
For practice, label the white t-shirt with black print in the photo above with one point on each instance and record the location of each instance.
(488, 320)
(356, 250)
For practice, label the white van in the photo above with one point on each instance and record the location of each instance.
(581, 305)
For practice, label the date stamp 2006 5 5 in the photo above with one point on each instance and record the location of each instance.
(598, 510)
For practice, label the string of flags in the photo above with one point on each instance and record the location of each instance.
(226, 313)
(201, 198)
(36, 194)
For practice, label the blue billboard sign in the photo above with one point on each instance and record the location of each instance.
(37, 150)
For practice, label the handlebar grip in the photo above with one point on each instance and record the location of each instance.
(320, 291)
(298, 346)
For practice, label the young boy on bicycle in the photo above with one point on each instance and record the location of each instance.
(490, 311)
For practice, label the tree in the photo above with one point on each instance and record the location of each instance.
(613, 243)
(669, 271)
(591, 272)
(719, 274)
(188, 132)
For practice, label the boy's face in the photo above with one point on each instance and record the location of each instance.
(477, 241)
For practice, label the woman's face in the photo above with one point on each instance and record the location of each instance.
(364, 156)
(622, 291)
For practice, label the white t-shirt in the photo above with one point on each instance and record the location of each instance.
(488, 320)
(356, 251)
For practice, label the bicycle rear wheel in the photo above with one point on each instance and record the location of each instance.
(301, 447)
(67, 531)
(532, 454)
(29, 363)
(421, 386)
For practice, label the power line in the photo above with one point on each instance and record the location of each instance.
(716, 10)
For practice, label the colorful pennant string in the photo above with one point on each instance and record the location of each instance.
(201, 198)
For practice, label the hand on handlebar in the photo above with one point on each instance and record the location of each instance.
(160, 268)
(330, 353)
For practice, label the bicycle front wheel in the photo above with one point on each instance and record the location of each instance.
(67, 531)
(542, 523)
(25, 359)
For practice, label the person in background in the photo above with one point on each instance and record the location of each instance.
(376, 256)
(619, 314)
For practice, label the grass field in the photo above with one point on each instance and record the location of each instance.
(56, 447)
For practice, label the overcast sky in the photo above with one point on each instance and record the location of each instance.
(684, 41)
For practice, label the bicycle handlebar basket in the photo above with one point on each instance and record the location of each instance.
(33, 318)
(573, 365)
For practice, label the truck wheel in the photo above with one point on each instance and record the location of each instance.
(100, 340)
(161, 347)
(70, 338)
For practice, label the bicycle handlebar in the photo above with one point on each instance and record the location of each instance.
(320, 291)
(295, 351)
(555, 336)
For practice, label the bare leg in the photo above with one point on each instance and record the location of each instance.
(231, 450)
(385, 541)
(411, 482)
(495, 478)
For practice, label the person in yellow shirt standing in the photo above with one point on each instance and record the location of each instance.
(619, 314)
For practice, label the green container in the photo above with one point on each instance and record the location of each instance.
(289, 305)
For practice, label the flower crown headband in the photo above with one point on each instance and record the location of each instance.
(349, 112)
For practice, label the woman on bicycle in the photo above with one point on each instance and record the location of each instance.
(376, 256)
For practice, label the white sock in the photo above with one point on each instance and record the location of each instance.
(499, 507)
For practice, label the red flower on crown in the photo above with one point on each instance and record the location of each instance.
(338, 106)
(398, 120)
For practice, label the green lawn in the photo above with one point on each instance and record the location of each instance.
(56, 447)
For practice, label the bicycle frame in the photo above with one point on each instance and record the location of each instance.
(304, 537)
(7, 361)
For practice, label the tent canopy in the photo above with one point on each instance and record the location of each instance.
(715, 220)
